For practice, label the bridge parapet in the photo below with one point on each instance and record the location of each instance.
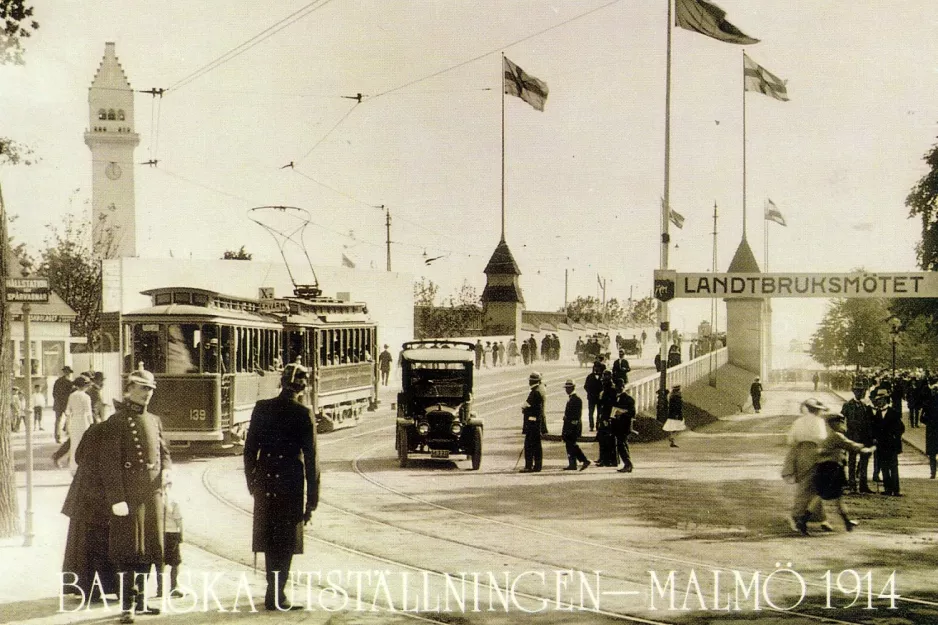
(645, 391)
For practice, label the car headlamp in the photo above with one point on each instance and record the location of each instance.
(423, 427)
(456, 427)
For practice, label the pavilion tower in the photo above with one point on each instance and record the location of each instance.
(748, 321)
(502, 301)
(111, 138)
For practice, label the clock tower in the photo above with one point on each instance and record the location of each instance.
(112, 140)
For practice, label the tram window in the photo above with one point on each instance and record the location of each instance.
(200, 299)
(210, 349)
(322, 348)
(182, 355)
(162, 299)
(147, 347)
(294, 345)
(182, 298)
(227, 344)
(255, 350)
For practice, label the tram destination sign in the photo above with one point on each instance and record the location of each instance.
(27, 290)
(763, 285)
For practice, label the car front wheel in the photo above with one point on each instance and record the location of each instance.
(476, 448)
(402, 443)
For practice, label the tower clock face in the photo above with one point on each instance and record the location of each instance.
(113, 171)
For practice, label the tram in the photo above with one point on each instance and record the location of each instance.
(215, 355)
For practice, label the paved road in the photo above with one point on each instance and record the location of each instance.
(497, 546)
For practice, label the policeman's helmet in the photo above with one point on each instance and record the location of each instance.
(142, 377)
(295, 377)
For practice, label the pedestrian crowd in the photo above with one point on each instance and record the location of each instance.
(829, 452)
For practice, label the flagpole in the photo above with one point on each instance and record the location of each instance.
(765, 226)
(503, 147)
(744, 144)
(663, 318)
(712, 378)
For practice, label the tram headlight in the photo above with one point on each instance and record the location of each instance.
(423, 427)
(456, 428)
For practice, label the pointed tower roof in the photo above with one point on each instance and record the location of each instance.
(744, 261)
(110, 74)
(502, 262)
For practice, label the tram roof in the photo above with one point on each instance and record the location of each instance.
(177, 311)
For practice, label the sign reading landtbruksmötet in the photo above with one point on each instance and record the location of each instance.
(760, 285)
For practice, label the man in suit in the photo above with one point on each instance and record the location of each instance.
(593, 387)
(135, 459)
(61, 389)
(281, 469)
(621, 368)
(859, 418)
(623, 414)
(573, 427)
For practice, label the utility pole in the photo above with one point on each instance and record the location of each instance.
(387, 225)
(566, 281)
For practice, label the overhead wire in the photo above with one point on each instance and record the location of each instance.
(243, 47)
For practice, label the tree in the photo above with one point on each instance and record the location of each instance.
(590, 310)
(74, 273)
(644, 311)
(460, 316)
(847, 324)
(922, 202)
(241, 254)
(15, 25)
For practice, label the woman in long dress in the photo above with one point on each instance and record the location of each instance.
(79, 417)
(675, 422)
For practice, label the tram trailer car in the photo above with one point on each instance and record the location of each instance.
(215, 355)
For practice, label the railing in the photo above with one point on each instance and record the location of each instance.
(645, 391)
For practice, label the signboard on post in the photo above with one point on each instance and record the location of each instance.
(27, 290)
(771, 285)
(664, 284)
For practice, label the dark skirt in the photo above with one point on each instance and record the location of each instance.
(829, 480)
(86, 555)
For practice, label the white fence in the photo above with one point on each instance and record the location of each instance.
(645, 390)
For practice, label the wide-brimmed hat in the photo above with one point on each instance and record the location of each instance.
(67, 369)
(534, 377)
(81, 381)
(569, 384)
(835, 417)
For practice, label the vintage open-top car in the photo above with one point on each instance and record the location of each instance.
(434, 407)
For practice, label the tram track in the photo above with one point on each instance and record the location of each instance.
(491, 396)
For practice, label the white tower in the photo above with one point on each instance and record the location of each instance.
(112, 140)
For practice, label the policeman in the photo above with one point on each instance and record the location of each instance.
(280, 467)
(136, 460)
(533, 413)
(859, 417)
(572, 428)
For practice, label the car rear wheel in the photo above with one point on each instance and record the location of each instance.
(476, 448)
(402, 447)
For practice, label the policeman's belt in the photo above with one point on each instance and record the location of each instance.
(129, 466)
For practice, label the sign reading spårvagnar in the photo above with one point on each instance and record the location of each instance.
(761, 285)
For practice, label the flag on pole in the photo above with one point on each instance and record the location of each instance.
(347, 262)
(524, 86)
(675, 217)
(708, 19)
(773, 214)
(757, 78)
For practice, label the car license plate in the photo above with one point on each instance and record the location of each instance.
(439, 453)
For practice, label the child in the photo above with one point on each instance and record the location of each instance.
(172, 538)
(675, 422)
(39, 403)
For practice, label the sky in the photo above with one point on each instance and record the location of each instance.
(583, 179)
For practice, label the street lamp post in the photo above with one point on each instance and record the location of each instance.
(895, 327)
(860, 348)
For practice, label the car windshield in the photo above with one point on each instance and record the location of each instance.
(442, 382)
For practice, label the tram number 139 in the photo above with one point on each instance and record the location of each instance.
(197, 414)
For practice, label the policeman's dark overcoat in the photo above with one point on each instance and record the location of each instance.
(281, 469)
(572, 415)
(533, 413)
(133, 456)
